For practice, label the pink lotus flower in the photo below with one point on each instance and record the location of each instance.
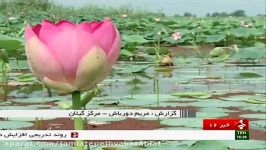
(176, 36)
(72, 57)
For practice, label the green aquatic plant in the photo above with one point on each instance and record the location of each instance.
(4, 74)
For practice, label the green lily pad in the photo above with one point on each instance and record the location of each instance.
(43, 106)
(117, 80)
(259, 124)
(247, 98)
(249, 53)
(134, 68)
(193, 95)
(243, 75)
(245, 32)
(18, 107)
(38, 100)
(210, 103)
(134, 102)
(257, 101)
(134, 39)
(105, 120)
(28, 119)
(211, 114)
(204, 145)
(183, 122)
(148, 100)
(179, 128)
(259, 44)
(217, 52)
(14, 124)
(257, 116)
(9, 44)
(255, 108)
(246, 145)
(152, 97)
(127, 53)
(26, 78)
(162, 51)
(23, 64)
(214, 38)
(64, 105)
(5, 103)
(236, 98)
(215, 109)
(3, 56)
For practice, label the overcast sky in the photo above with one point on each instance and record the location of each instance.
(171, 7)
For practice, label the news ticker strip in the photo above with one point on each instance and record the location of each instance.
(127, 135)
(99, 113)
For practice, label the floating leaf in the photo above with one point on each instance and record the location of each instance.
(245, 145)
(134, 69)
(38, 99)
(214, 38)
(65, 106)
(29, 119)
(249, 53)
(215, 109)
(257, 116)
(218, 52)
(255, 108)
(162, 51)
(243, 75)
(14, 124)
(134, 39)
(259, 124)
(126, 53)
(259, 44)
(246, 32)
(9, 44)
(236, 98)
(257, 101)
(214, 103)
(4, 56)
(104, 120)
(212, 145)
(193, 95)
(26, 78)
(211, 114)
(183, 122)
(18, 107)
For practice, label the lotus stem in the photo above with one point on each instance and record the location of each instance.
(78, 122)
(4, 80)
(131, 83)
(49, 91)
(157, 89)
(198, 52)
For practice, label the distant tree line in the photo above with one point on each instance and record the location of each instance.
(237, 13)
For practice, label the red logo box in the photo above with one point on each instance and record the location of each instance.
(74, 134)
(225, 124)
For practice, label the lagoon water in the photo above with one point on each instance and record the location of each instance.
(171, 7)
